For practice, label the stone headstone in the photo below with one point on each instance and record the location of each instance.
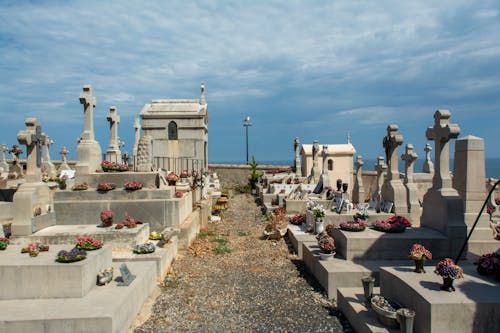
(113, 153)
(64, 160)
(298, 163)
(428, 166)
(393, 189)
(126, 276)
(32, 137)
(137, 130)
(409, 157)
(88, 150)
(15, 167)
(380, 168)
(144, 154)
(315, 172)
(3, 161)
(358, 193)
(48, 167)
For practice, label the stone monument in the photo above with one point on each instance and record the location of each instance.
(428, 166)
(64, 161)
(144, 154)
(113, 154)
(358, 193)
(380, 168)
(409, 158)
(393, 189)
(3, 161)
(443, 208)
(48, 167)
(298, 165)
(88, 151)
(315, 169)
(137, 130)
(15, 167)
(32, 201)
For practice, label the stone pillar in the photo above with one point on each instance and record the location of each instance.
(428, 166)
(315, 173)
(409, 158)
(64, 161)
(3, 161)
(393, 189)
(32, 199)
(47, 166)
(298, 164)
(113, 154)
(358, 193)
(89, 153)
(468, 179)
(137, 130)
(443, 208)
(381, 168)
(144, 154)
(324, 154)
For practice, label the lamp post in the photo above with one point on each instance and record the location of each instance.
(247, 124)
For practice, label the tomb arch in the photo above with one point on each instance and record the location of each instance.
(172, 130)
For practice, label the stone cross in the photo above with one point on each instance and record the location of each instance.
(380, 167)
(315, 170)
(298, 164)
(441, 133)
(48, 167)
(46, 145)
(409, 157)
(3, 163)
(428, 166)
(32, 137)
(114, 120)
(325, 162)
(359, 190)
(391, 142)
(89, 102)
(63, 153)
(137, 129)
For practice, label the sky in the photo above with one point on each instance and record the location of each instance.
(307, 69)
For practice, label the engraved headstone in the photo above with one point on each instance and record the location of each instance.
(126, 277)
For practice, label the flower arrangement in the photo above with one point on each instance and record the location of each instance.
(144, 248)
(277, 221)
(4, 242)
(80, 187)
(355, 226)
(71, 256)
(447, 268)
(132, 186)
(326, 244)
(185, 174)
(419, 252)
(35, 248)
(392, 224)
(329, 228)
(297, 219)
(106, 218)
(318, 213)
(489, 264)
(88, 243)
(155, 236)
(105, 187)
(119, 226)
(172, 176)
(108, 166)
(11, 175)
(61, 182)
(130, 222)
(179, 194)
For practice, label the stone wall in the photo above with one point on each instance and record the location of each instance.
(231, 175)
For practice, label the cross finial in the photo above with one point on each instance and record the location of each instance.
(391, 142)
(359, 161)
(89, 102)
(203, 99)
(409, 157)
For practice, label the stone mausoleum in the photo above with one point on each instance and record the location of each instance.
(179, 131)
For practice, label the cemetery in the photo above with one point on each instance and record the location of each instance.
(93, 238)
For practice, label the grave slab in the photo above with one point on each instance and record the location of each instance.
(297, 235)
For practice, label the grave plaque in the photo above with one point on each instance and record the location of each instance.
(126, 277)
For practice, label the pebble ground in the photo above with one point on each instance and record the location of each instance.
(233, 280)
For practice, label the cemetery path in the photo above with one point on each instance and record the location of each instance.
(233, 280)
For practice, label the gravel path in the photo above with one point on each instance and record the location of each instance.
(232, 280)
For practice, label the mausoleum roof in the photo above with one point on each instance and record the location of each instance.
(173, 107)
(333, 149)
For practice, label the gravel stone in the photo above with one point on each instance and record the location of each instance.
(254, 285)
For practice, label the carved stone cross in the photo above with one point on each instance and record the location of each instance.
(63, 153)
(409, 157)
(441, 133)
(428, 166)
(89, 102)
(380, 167)
(114, 120)
(325, 162)
(32, 137)
(391, 142)
(296, 149)
(46, 145)
(3, 149)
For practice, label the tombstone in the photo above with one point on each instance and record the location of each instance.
(34, 196)
(393, 189)
(64, 161)
(144, 154)
(16, 167)
(48, 167)
(137, 130)
(358, 192)
(409, 158)
(113, 153)
(298, 164)
(428, 166)
(315, 173)
(89, 154)
(443, 208)
(469, 174)
(3, 161)
(380, 168)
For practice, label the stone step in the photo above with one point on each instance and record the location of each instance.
(67, 234)
(297, 235)
(25, 277)
(105, 309)
(119, 178)
(351, 302)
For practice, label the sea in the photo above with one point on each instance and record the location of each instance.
(492, 165)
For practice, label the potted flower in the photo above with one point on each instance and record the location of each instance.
(80, 187)
(449, 271)
(489, 264)
(327, 247)
(130, 222)
(132, 186)
(329, 229)
(4, 242)
(318, 214)
(297, 219)
(172, 178)
(392, 224)
(419, 254)
(185, 174)
(88, 243)
(354, 226)
(106, 218)
(35, 248)
(144, 248)
(276, 229)
(105, 187)
(179, 194)
(108, 166)
(75, 254)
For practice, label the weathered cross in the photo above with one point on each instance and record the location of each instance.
(114, 120)
(315, 153)
(296, 149)
(380, 167)
(15, 152)
(391, 142)
(428, 166)
(89, 102)
(441, 133)
(46, 144)
(3, 149)
(63, 153)
(409, 157)
(359, 162)
(325, 162)
(32, 137)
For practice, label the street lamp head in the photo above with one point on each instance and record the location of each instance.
(247, 122)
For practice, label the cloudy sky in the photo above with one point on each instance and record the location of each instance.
(311, 69)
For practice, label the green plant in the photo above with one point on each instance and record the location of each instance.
(243, 233)
(254, 175)
(221, 249)
(205, 233)
(220, 241)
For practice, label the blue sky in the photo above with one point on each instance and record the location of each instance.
(312, 69)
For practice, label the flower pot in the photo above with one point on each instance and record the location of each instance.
(419, 266)
(319, 226)
(106, 223)
(405, 319)
(447, 284)
(171, 182)
(345, 186)
(368, 283)
(326, 256)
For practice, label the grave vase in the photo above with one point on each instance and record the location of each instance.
(326, 256)
(405, 319)
(447, 284)
(319, 227)
(419, 266)
(345, 186)
(171, 182)
(368, 283)
(106, 223)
